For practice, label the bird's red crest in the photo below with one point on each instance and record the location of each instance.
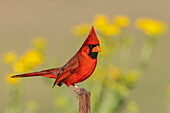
(92, 38)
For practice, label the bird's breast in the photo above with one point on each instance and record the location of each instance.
(86, 69)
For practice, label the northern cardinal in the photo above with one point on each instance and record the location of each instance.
(78, 68)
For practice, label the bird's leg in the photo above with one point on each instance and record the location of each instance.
(74, 89)
(77, 92)
(80, 90)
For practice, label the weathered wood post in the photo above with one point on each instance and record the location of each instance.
(84, 101)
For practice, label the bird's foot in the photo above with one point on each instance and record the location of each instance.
(77, 88)
(73, 89)
(82, 91)
(79, 91)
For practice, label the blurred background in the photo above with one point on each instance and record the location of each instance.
(135, 47)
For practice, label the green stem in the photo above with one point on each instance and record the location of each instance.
(120, 103)
(125, 50)
(146, 54)
(124, 57)
(15, 99)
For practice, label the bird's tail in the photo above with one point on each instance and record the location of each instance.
(51, 73)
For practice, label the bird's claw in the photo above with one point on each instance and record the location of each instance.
(81, 91)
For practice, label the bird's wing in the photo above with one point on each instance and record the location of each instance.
(67, 70)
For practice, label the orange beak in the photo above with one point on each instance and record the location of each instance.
(96, 49)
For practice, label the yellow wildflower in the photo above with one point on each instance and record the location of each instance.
(122, 89)
(81, 29)
(110, 30)
(10, 57)
(114, 73)
(28, 61)
(20, 67)
(11, 80)
(102, 24)
(100, 21)
(39, 43)
(150, 26)
(113, 78)
(32, 57)
(131, 78)
(121, 21)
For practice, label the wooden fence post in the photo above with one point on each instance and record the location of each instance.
(84, 101)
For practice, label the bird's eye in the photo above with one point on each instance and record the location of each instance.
(90, 46)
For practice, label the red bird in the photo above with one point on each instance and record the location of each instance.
(78, 68)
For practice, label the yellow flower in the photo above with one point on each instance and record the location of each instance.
(100, 21)
(28, 61)
(121, 21)
(33, 58)
(11, 80)
(122, 89)
(115, 73)
(40, 43)
(131, 78)
(10, 57)
(81, 29)
(20, 67)
(150, 26)
(102, 24)
(110, 30)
